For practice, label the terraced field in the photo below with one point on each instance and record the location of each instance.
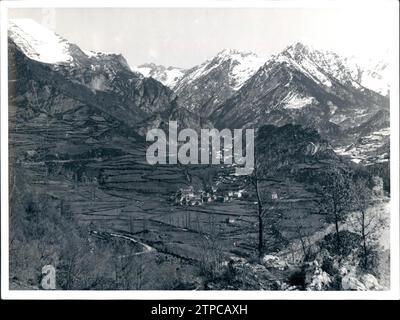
(126, 196)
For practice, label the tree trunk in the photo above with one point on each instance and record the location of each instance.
(303, 245)
(260, 209)
(365, 260)
(337, 232)
(260, 223)
(260, 236)
(335, 212)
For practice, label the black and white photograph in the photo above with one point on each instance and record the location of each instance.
(200, 149)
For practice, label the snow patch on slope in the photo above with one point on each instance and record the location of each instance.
(93, 54)
(367, 145)
(295, 101)
(145, 71)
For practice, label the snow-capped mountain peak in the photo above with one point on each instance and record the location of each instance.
(207, 85)
(240, 66)
(324, 65)
(38, 42)
(168, 76)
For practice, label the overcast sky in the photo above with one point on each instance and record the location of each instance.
(186, 37)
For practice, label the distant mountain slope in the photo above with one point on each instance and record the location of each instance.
(369, 74)
(102, 81)
(299, 86)
(369, 142)
(204, 87)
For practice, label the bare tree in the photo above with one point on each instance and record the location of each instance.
(367, 221)
(265, 165)
(362, 199)
(255, 180)
(336, 199)
(305, 243)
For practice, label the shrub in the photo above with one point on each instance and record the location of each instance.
(349, 242)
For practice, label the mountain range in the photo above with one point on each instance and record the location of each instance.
(347, 103)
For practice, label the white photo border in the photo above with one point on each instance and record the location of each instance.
(393, 293)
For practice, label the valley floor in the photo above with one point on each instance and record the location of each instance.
(134, 205)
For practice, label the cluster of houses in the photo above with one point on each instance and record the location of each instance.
(189, 197)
